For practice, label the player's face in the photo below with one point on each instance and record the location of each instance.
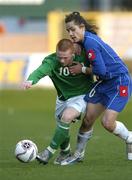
(65, 57)
(75, 32)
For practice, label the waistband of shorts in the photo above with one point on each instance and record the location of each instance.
(62, 98)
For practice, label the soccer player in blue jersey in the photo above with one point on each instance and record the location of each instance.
(110, 93)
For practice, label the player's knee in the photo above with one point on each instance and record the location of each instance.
(90, 118)
(87, 122)
(69, 115)
(66, 118)
(108, 125)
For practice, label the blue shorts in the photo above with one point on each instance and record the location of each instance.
(113, 94)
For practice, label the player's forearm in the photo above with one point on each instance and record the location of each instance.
(31, 80)
(80, 68)
(32, 77)
(35, 76)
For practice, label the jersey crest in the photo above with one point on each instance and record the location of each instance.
(91, 54)
(123, 91)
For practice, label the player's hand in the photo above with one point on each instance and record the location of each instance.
(26, 84)
(76, 68)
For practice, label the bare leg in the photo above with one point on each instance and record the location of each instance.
(118, 128)
(92, 113)
(86, 129)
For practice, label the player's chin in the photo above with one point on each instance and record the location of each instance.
(76, 40)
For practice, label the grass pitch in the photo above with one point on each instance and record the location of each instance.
(30, 115)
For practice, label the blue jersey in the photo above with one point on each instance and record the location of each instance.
(115, 89)
(104, 60)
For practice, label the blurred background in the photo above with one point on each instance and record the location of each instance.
(30, 29)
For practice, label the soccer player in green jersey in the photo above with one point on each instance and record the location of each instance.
(71, 89)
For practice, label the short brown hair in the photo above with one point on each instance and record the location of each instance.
(64, 45)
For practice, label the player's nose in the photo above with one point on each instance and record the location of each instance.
(70, 33)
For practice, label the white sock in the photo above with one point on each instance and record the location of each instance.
(82, 139)
(121, 131)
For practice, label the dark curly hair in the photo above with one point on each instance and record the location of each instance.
(78, 20)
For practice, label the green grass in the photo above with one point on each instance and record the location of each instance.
(30, 115)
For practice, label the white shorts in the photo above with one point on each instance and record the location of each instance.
(76, 102)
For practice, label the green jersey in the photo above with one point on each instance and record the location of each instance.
(66, 84)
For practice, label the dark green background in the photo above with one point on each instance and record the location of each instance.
(39, 10)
